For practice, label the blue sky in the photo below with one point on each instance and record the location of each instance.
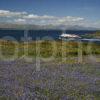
(87, 9)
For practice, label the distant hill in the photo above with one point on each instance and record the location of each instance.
(18, 26)
(93, 35)
(50, 26)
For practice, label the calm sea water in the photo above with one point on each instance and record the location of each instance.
(34, 34)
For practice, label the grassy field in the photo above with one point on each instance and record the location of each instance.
(46, 49)
(57, 79)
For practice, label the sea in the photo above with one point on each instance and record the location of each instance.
(18, 35)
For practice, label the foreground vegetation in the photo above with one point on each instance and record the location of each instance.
(46, 49)
(55, 80)
(19, 80)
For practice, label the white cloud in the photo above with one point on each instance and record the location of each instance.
(53, 20)
(26, 18)
(20, 20)
(33, 16)
(30, 16)
(7, 13)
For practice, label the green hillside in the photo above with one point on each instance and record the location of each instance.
(93, 35)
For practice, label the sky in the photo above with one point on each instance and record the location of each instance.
(53, 12)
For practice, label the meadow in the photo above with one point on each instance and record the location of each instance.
(69, 74)
(49, 49)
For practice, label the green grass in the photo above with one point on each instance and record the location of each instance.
(46, 49)
(3, 98)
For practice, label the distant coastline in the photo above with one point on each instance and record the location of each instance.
(54, 34)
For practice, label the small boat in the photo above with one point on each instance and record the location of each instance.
(66, 36)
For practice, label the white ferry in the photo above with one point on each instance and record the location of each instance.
(69, 36)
